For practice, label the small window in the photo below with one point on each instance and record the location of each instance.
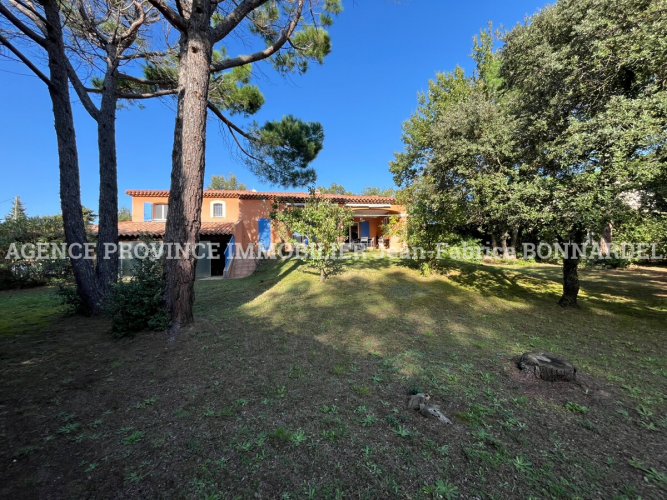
(218, 209)
(160, 212)
(298, 237)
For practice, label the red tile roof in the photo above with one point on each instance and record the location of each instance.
(246, 195)
(156, 229)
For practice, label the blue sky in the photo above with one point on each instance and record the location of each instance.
(383, 53)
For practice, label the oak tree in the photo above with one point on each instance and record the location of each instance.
(590, 86)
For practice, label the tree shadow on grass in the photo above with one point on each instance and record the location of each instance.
(215, 298)
(631, 292)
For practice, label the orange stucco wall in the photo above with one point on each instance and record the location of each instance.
(232, 208)
(248, 212)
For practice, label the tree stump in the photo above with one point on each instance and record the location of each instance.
(547, 366)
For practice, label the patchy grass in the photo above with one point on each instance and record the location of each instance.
(286, 388)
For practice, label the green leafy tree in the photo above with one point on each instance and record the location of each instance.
(226, 183)
(432, 218)
(432, 212)
(589, 85)
(124, 214)
(334, 188)
(17, 211)
(281, 151)
(377, 191)
(459, 163)
(21, 269)
(323, 223)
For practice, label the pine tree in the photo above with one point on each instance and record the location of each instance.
(17, 212)
(290, 35)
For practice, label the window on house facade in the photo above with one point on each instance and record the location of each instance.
(218, 209)
(160, 212)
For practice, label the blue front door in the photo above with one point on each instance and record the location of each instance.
(264, 233)
(365, 228)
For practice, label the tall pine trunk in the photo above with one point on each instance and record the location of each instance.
(68, 161)
(188, 159)
(107, 261)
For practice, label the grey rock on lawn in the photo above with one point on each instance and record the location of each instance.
(418, 402)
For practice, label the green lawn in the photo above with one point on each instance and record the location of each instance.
(28, 310)
(286, 388)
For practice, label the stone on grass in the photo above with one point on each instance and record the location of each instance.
(418, 402)
(433, 412)
(547, 366)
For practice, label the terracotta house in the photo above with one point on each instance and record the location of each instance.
(241, 218)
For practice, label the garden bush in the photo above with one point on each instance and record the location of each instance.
(136, 304)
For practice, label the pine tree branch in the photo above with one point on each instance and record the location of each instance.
(134, 96)
(25, 60)
(21, 26)
(144, 55)
(91, 25)
(28, 10)
(81, 91)
(147, 95)
(225, 27)
(230, 124)
(141, 81)
(179, 8)
(267, 52)
(232, 127)
(127, 38)
(176, 20)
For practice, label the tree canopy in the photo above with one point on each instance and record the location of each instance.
(378, 191)
(550, 135)
(333, 188)
(229, 183)
(124, 214)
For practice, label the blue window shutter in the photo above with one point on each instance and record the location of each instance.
(264, 233)
(365, 227)
(148, 212)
